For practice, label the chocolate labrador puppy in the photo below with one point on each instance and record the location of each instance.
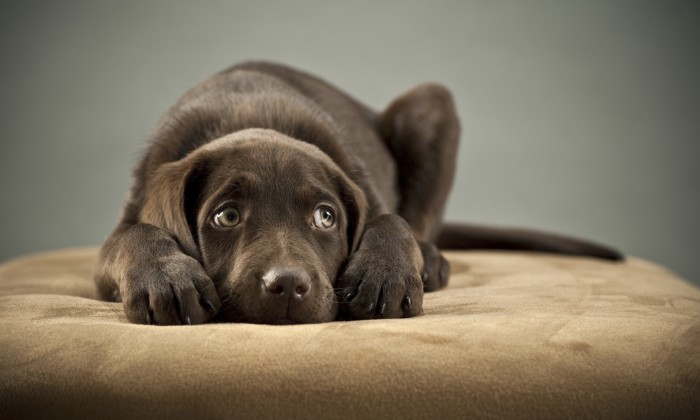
(266, 195)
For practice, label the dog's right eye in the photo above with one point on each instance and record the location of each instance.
(228, 217)
(324, 217)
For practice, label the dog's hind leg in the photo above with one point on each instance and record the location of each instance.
(421, 129)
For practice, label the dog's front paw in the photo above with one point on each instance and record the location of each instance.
(168, 290)
(382, 278)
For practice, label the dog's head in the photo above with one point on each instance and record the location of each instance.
(271, 219)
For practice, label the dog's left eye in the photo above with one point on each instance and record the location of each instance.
(228, 217)
(324, 217)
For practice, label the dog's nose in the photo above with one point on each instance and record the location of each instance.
(287, 282)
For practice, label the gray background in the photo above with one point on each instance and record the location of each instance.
(581, 118)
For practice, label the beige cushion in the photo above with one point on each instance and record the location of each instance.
(513, 336)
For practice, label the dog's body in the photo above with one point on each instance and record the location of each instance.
(267, 195)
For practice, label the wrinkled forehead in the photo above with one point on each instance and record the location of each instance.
(263, 162)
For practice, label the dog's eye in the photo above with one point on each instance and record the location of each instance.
(227, 217)
(324, 217)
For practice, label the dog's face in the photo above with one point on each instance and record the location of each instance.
(272, 220)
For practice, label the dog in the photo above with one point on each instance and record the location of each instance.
(266, 195)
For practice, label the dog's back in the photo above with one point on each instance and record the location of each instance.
(271, 96)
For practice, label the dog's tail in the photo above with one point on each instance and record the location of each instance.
(464, 236)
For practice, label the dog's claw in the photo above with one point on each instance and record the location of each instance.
(210, 307)
(406, 304)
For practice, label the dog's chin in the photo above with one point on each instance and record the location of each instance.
(291, 318)
(285, 321)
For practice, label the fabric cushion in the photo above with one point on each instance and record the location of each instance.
(513, 336)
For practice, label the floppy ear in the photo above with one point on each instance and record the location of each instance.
(172, 199)
(356, 206)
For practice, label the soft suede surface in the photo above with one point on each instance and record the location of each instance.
(513, 336)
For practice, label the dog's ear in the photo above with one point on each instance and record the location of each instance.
(172, 200)
(356, 208)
